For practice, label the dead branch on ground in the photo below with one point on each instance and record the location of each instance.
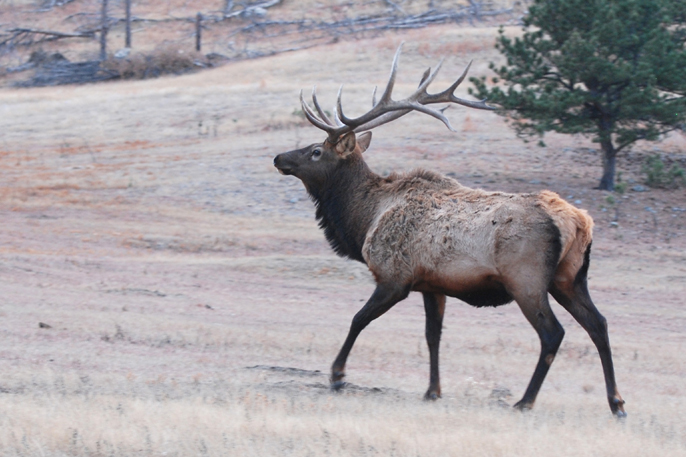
(65, 72)
(395, 6)
(257, 9)
(48, 5)
(368, 23)
(28, 37)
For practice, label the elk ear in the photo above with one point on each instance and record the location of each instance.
(346, 145)
(364, 140)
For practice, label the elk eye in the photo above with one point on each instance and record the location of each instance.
(316, 154)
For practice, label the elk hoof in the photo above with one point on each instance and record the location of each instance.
(336, 386)
(617, 407)
(336, 375)
(432, 396)
(337, 380)
(523, 406)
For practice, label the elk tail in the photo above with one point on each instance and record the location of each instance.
(576, 231)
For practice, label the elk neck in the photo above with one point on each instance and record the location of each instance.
(346, 206)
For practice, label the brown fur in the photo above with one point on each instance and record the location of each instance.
(576, 231)
(434, 233)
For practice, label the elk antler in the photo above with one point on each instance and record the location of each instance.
(387, 109)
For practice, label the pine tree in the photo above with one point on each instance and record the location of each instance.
(612, 70)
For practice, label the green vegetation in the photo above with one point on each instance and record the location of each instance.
(620, 185)
(613, 70)
(658, 175)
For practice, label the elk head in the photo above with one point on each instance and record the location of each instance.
(314, 164)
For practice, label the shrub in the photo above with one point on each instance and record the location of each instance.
(658, 175)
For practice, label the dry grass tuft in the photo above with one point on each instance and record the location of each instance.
(166, 60)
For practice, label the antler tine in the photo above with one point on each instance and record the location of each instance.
(339, 107)
(336, 118)
(380, 107)
(426, 80)
(374, 97)
(461, 78)
(434, 113)
(448, 95)
(386, 97)
(424, 76)
(322, 114)
(313, 117)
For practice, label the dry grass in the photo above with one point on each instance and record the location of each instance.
(166, 60)
(213, 418)
(144, 222)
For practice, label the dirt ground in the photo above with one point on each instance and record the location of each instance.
(164, 291)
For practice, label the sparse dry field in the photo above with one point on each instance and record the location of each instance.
(195, 307)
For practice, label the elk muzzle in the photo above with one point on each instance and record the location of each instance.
(281, 164)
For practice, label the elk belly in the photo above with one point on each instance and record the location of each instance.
(472, 284)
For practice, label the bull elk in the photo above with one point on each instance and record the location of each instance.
(425, 232)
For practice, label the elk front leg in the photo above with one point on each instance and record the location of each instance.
(434, 306)
(383, 299)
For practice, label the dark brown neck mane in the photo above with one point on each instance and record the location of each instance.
(347, 205)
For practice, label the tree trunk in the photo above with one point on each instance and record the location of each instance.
(605, 127)
(607, 182)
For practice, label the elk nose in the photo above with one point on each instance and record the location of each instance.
(281, 168)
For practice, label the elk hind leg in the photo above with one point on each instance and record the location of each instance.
(385, 296)
(576, 299)
(434, 306)
(537, 311)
